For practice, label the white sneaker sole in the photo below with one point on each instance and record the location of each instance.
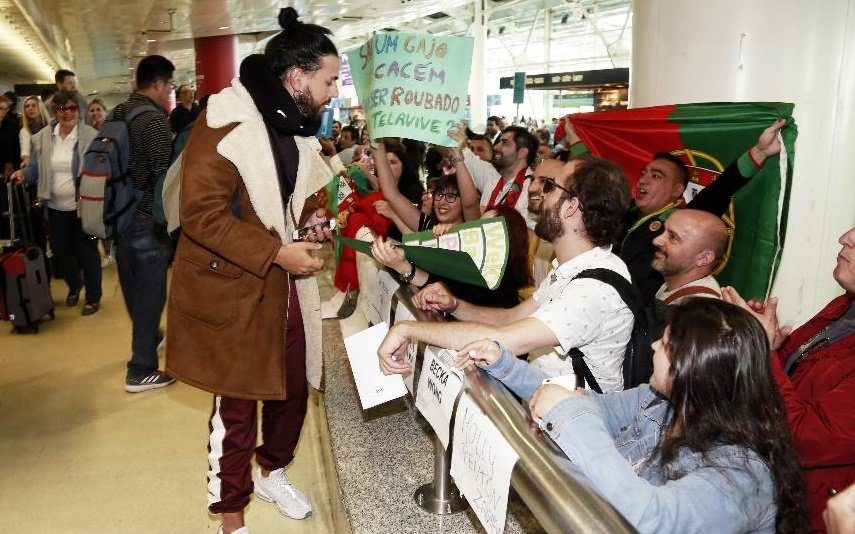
(145, 387)
(299, 514)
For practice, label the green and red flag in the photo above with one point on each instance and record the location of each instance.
(708, 137)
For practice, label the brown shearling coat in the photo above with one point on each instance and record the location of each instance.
(228, 300)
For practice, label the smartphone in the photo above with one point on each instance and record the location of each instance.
(300, 234)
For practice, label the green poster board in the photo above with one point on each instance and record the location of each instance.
(474, 253)
(412, 86)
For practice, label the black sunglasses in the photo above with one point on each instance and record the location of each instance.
(549, 185)
(64, 109)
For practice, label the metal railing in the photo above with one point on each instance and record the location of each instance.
(559, 501)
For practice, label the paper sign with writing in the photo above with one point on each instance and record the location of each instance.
(386, 286)
(411, 85)
(481, 464)
(372, 385)
(403, 314)
(485, 240)
(438, 389)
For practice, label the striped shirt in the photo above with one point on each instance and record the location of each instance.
(151, 147)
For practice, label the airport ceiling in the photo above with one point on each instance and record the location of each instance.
(101, 40)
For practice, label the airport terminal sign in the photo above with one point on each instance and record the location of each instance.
(411, 85)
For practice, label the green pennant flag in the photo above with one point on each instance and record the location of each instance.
(474, 253)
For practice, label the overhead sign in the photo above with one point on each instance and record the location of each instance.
(519, 87)
(564, 80)
(412, 86)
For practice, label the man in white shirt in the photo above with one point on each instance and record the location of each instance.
(687, 253)
(581, 216)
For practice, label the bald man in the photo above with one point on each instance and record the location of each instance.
(687, 252)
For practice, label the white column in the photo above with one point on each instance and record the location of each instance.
(477, 87)
(769, 50)
(547, 44)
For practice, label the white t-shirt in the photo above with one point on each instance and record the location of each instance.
(707, 281)
(586, 314)
(63, 194)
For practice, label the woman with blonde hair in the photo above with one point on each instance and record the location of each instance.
(35, 118)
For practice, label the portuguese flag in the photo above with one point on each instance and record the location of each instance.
(708, 137)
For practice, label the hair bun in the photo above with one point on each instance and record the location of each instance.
(287, 17)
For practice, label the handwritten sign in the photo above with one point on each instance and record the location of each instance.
(481, 464)
(485, 240)
(403, 314)
(372, 385)
(411, 85)
(438, 389)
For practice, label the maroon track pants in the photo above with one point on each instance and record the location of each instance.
(233, 427)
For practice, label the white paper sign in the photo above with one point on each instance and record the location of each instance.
(481, 464)
(403, 314)
(386, 286)
(438, 389)
(372, 385)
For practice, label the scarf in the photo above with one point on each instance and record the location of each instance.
(275, 104)
(512, 195)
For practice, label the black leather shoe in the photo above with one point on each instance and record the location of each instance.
(89, 308)
(73, 298)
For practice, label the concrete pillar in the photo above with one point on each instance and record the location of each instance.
(477, 78)
(769, 50)
(216, 63)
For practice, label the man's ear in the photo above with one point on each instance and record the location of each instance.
(569, 207)
(295, 78)
(678, 190)
(704, 257)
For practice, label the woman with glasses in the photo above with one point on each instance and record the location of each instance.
(55, 164)
(704, 447)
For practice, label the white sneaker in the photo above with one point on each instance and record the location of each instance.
(242, 530)
(276, 488)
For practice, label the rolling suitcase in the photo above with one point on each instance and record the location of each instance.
(25, 296)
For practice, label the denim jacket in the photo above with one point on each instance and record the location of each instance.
(609, 439)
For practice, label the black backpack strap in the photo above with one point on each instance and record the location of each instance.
(582, 371)
(630, 296)
(628, 292)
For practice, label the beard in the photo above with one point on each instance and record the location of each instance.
(305, 102)
(548, 226)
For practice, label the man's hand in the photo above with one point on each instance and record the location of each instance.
(839, 514)
(570, 135)
(765, 312)
(458, 133)
(17, 177)
(545, 398)
(484, 352)
(297, 260)
(392, 351)
(768, 144)
(327, 146)
(317, 232)
(435, 297)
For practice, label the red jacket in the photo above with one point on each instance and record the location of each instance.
(820, 400)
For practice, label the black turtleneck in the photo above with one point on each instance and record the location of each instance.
(281, 116)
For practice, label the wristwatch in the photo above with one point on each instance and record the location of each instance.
(408, 277)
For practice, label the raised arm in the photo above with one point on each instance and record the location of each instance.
(470, 197)
(408, 213)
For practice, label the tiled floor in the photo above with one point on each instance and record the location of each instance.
(79, 455)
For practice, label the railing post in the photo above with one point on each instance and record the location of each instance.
(440, 497)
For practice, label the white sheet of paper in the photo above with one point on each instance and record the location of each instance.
(438, 389)
(481, 464)
(372, 385)
(386, 286)
(403, 314)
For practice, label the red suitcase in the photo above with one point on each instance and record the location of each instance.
(25, 296)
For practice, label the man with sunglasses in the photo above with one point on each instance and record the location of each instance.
(581, 216)
(144, 249)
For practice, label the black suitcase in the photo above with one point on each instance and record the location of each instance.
(25, 296)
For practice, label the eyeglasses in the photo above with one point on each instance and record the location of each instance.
(549, 186)
(448, 197)
(67, 109)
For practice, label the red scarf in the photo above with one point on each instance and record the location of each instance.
(513, 194)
